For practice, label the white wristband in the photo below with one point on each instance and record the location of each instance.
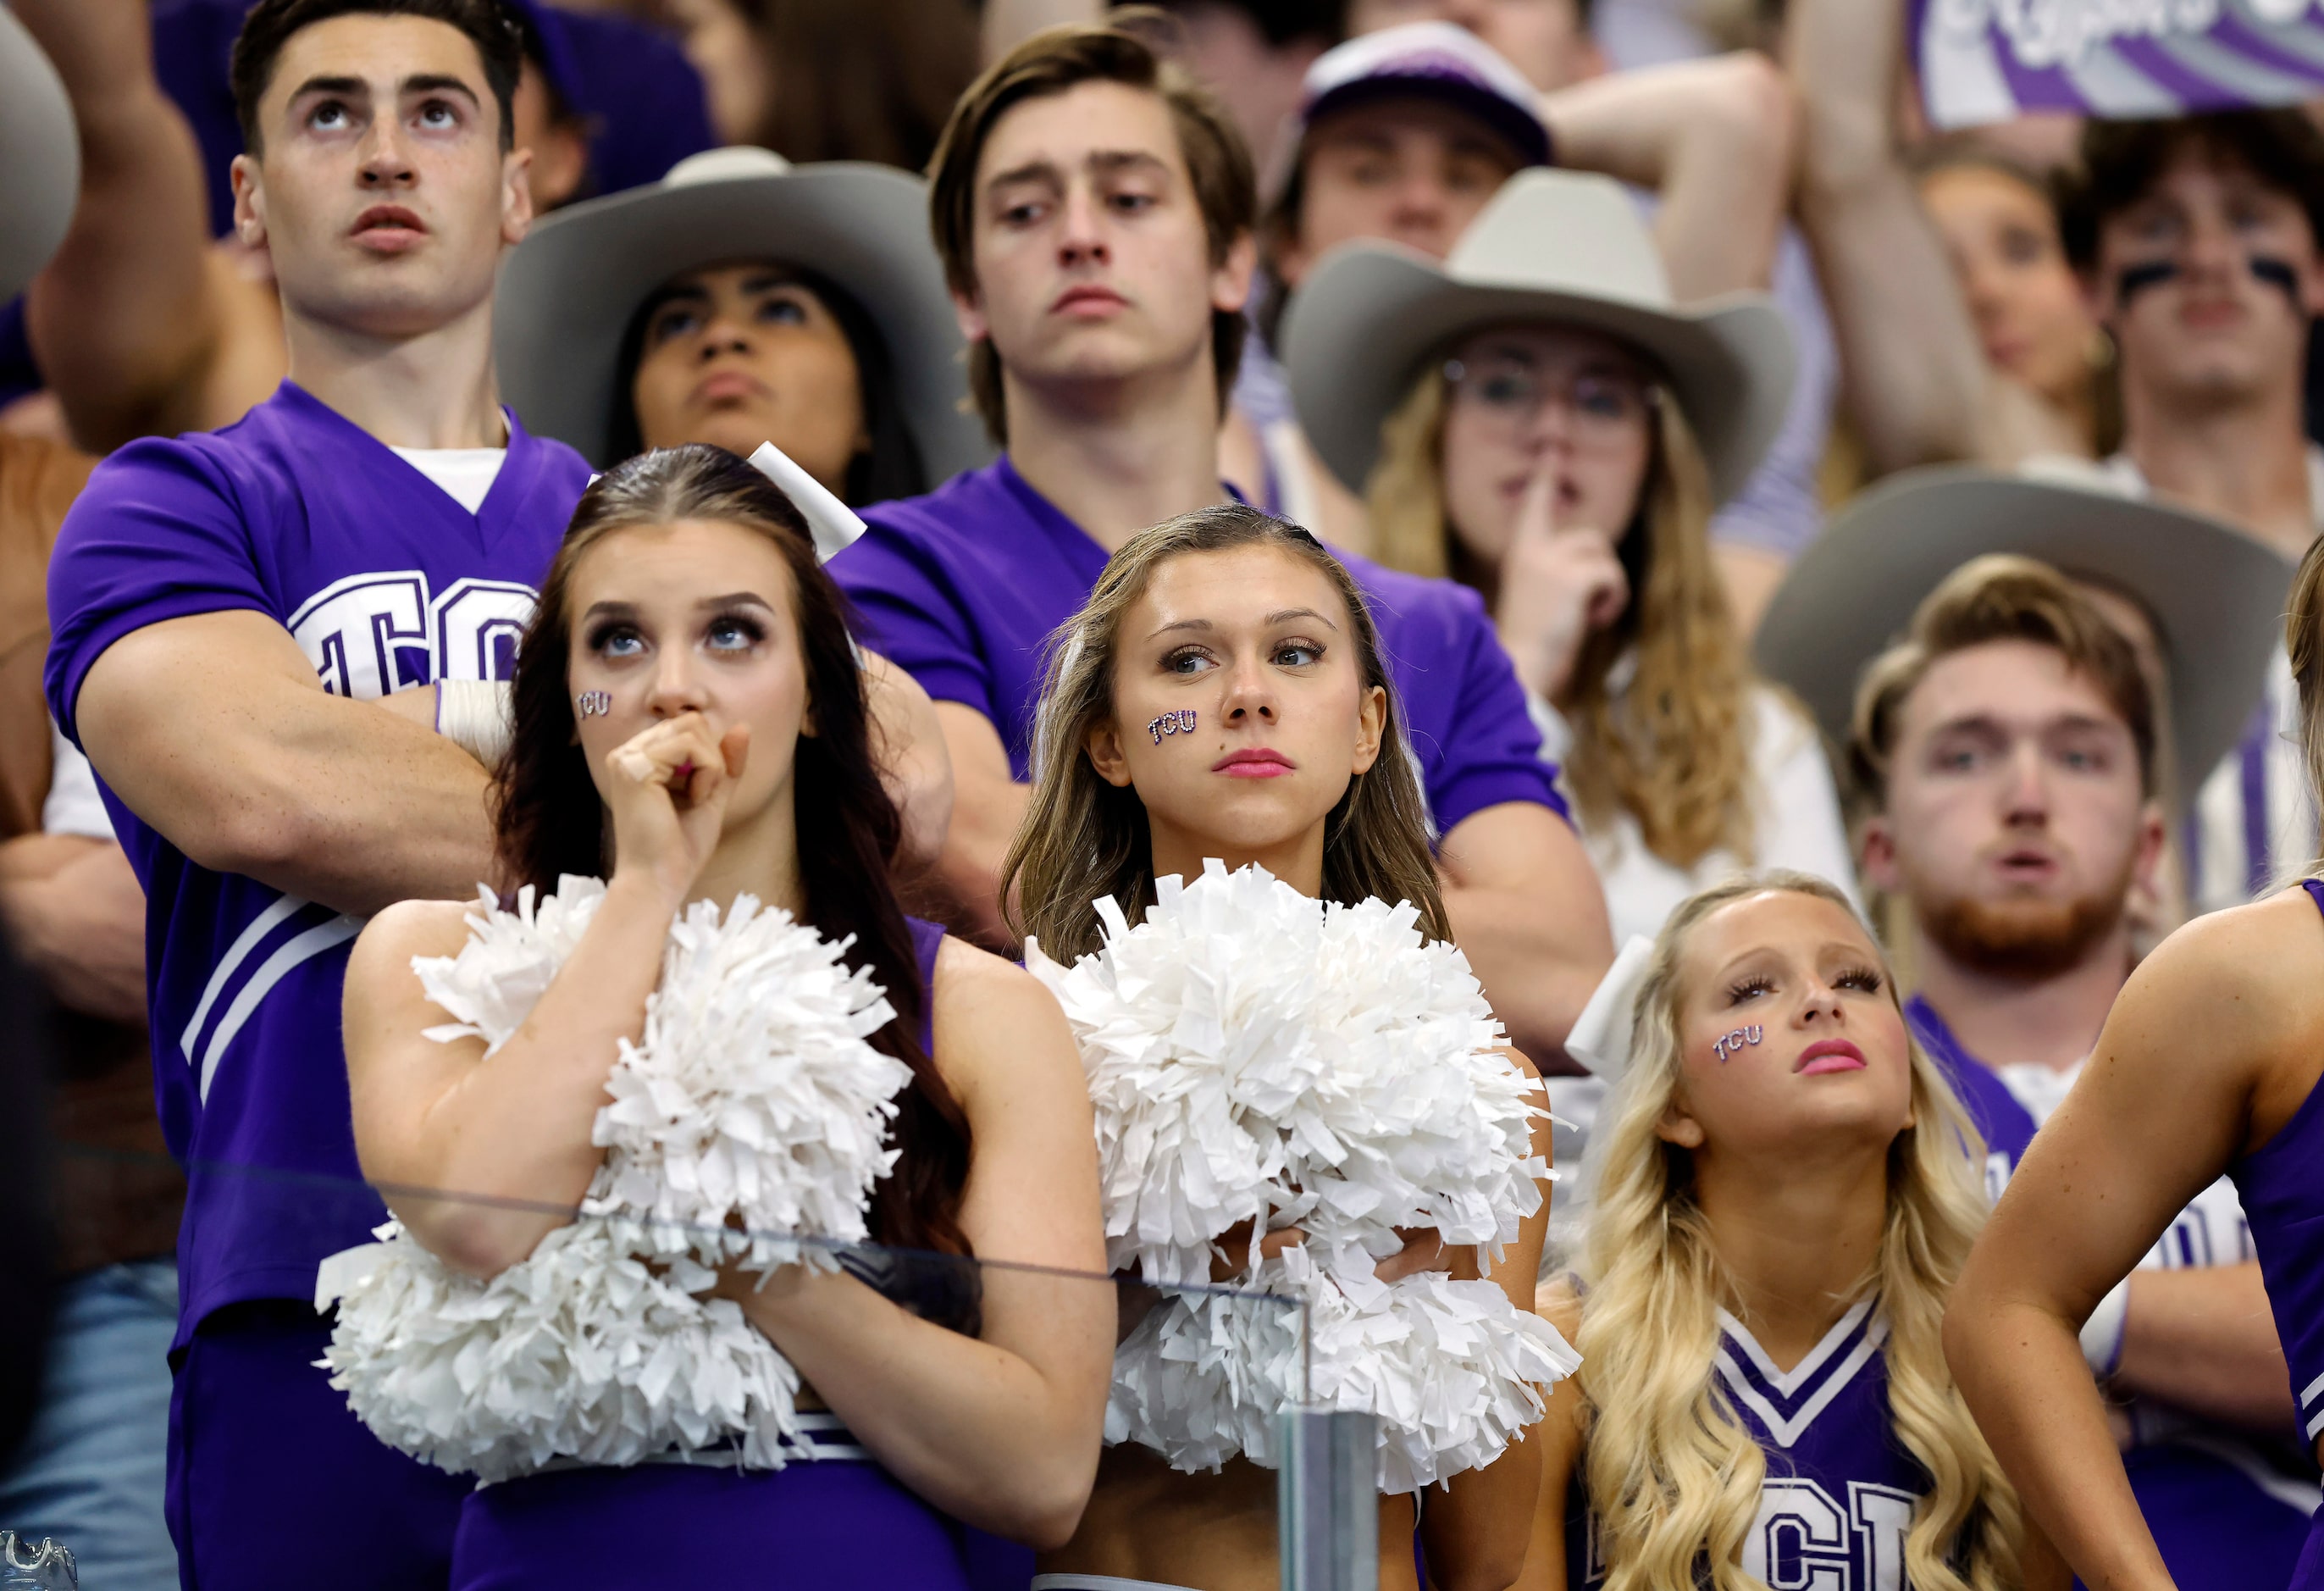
(2102, 1332)
(475, 714)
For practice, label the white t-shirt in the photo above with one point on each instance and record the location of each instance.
(73, 805)
(466, 474)
(1799, 828)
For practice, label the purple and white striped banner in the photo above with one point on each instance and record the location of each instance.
(1987, 60)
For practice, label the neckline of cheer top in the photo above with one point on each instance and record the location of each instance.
(2284, 1204)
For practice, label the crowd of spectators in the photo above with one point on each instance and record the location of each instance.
(1744, 473)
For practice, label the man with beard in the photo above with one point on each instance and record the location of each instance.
(2005, 754)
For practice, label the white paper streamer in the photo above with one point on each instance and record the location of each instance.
(753, 1096)
(1256, 1055)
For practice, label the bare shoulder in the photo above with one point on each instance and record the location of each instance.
(995, 1021)
(381, 958)
(2253, 972)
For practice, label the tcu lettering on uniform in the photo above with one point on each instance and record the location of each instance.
(370, 634)
(1803, 1541)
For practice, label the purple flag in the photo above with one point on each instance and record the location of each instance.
(1987, 60)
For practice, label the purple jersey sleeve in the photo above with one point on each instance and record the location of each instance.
(159, 533)
(1463, 708)
(915, 616)
(1496, 751)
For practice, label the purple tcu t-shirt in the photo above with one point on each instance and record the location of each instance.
(384, 581)
(963, 588)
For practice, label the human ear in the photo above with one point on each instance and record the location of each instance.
(1230, 282)
(968, 308)
(516, 195)
(1678, 1128)
(1371, 727)
(1879, 857)
(1103, 745)
(249, 202)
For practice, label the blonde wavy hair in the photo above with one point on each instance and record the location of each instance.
(1673, 1474)
(1084, 839)
(1674, 747)
(2303, 642)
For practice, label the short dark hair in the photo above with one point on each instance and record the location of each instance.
(489, 25)
(1999, 597)
(1286, 22)
(1050, 63)
(2122, 162)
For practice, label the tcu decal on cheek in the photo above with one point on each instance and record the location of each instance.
(1732, 1044)
(1181, 722)
(591, 703)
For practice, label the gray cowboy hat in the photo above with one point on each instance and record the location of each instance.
(40, 158)
(1552, 245)
(571, 288)
(2215, 595)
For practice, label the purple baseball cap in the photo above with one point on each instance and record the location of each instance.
(1438, 61)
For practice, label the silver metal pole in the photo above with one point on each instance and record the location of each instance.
(1327, 1503)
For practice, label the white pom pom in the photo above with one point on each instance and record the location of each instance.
(752, 1097)
(1254, 1056)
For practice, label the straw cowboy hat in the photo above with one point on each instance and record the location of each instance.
(569, 291)
(40, 158)
(1552, 245)
(2216, 596)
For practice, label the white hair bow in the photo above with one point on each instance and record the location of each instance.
(832, 523)
(1602, 1035)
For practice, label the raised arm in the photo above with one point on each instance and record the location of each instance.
(1527, 912)
(1713, 137)
(1001, 1430)
(1914, 376)
(2166, 1103)
(215, 730)
(137, 320)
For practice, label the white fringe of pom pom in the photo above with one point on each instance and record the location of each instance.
(753, 1098)
(1256, 1055)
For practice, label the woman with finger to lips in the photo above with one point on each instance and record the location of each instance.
(1220, 757)
(691, 726)
(1786, 1192)
(1539, 421)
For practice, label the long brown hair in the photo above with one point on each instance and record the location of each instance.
(550, 821)
(1084, 839)
(1672, 747)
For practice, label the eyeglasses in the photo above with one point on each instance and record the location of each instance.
(1603, 408)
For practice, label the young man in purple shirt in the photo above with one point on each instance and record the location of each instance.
(2006, 754)
(224, 606)
(1094, 214)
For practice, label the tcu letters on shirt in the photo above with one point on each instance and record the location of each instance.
(1838, 1499)
(385, 582)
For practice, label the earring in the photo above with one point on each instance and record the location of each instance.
(1181, 722)
(594, 704)
(1732, 1044)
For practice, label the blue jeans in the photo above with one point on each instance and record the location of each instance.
(90, 1472)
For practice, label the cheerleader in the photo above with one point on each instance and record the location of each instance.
(1785, 1189)
(2209, 1064)
(691, 720)
(1222, 699)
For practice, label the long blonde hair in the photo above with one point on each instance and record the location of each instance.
(1083, 838)
(2303, 642)
(1671, 747)
(1673, 1476)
